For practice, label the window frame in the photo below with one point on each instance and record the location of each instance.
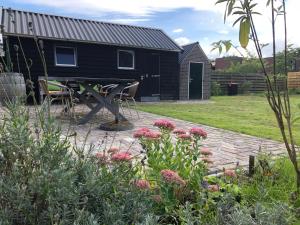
(133, 60)
(65, 65)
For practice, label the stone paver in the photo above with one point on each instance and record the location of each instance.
(229, 148)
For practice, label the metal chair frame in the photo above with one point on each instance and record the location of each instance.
(128, 95)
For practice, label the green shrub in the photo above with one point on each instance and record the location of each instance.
(46, 180)
(216, 89)
(244, 88)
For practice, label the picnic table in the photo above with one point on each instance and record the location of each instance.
(89, 88)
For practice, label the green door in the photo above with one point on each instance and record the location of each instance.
(195, 80)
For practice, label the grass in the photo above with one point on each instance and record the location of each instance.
(244, 114)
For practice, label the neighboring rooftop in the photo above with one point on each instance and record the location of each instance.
(29, 24)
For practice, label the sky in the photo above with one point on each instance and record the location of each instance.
(185, 21)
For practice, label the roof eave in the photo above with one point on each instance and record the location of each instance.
(90, 42)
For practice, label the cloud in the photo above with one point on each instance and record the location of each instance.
(182, 40)
(131, 8)
(129, 20)
(178, 30)
(223, 31)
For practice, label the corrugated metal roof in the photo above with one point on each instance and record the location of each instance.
(24, 23)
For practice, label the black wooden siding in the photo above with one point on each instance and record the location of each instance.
(95, 60)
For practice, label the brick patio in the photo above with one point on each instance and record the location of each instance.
(229, 148)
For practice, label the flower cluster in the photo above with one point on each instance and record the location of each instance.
(140, 133)
(164, 124)
(205, 151)
(229, 173)
(121, 157)
(179, 131)
(198, 132)
(101, 157)
(113, 150)
(171, 176)
(147, 134)
(213, 188)
(142, 184)
(184, 136)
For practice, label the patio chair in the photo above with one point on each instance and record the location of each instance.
(65, 94)
(127, 95)
(104, 90)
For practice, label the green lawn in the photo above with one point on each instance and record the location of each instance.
(244, 114)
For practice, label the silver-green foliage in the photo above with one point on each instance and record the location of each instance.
(46, 180)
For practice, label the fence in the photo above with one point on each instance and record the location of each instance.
(294, 80)
(257, 80)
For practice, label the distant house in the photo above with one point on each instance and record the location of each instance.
(225, 62)
(195, 69)
(77, 47)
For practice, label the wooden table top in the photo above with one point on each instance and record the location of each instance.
(89, 79)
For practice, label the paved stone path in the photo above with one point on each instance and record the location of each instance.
(229, 148)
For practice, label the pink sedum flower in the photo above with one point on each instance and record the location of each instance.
(140, 133)
(205, 151)
(113, 150)
(171, 176)
(179, 131)
(142, 184)
(207, 160)
(229, 173)
(164, 124)
(185, 136)
(121, 157)
(153, 135)
(213, 188)
(157, 198)
(102, 157)
(198, 132)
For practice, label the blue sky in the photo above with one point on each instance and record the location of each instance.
(185, 21)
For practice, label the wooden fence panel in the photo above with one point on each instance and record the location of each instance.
(294, 80)
(257, 80)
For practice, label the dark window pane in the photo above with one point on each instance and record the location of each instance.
(65, 56)
(125, 59)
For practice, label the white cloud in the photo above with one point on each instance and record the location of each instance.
(182, 40)
(178, 30)
(132, 7)
(223, 32)
(129, 20)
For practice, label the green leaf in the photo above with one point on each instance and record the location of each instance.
(227, 45)
(244, 32)
(220, 1)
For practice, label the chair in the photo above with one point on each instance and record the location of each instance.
(127, 95)
(65, 94)
(104, 90)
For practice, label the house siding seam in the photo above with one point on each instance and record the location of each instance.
(195, 55)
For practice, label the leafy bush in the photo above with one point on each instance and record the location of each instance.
(216, 89)
(244, 88)
(275, 214)
(46, 180)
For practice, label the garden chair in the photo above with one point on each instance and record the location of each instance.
(127, 95)
(64, 94)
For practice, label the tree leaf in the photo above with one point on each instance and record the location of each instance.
(220, 1)
(244, 32)
(238, 19)
(228, 45)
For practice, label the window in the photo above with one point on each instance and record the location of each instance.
(125, 59)
(65, 56)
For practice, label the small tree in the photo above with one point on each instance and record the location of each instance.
(278, 97)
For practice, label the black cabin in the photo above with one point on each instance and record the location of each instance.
(78, 47)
